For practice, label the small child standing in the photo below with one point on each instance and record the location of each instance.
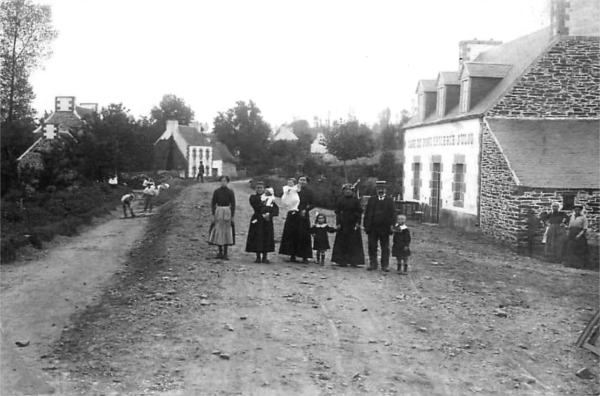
(321, 239)
(401, 246)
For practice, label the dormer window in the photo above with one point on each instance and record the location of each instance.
(464, 95)
(441, 101)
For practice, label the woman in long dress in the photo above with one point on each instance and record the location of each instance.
(223, 210)
(296, 238)
(261, 237)
(348, 246)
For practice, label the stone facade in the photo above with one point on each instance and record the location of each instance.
(505, 207)
(562, 84)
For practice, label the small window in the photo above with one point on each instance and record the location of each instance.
(568, 201)
(416, 181)
(464, 96)
(441, 100)
(459, 185)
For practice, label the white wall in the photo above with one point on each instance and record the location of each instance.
(446, 140)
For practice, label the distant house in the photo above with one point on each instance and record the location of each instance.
(285, 132)
(319, 149)
(65, 122)
(514, 129)
(183, 147)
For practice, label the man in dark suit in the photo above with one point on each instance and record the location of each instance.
(380, 215)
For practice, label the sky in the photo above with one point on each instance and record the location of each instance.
(293, 59)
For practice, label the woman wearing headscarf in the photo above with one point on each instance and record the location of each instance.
(348, 246)
(261, 237)
(296, 238)
(223, 209)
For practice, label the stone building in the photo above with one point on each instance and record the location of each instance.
(64, 122)
(516, 128)
(182, 148)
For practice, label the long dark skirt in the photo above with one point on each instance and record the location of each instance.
(577, 249)
(261, 237)
(348, 248)
(555, 242)
(296, 239)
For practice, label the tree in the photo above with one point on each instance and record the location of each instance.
(349, 140)
(287, 155)
(171, 108)
(25, 39)
(243, 130)
(15, 138)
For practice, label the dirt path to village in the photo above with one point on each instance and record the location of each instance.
(471, 318)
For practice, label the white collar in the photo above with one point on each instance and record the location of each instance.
(321, 225)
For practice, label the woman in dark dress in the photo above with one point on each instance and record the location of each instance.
(555, 233)
(223, 209)
(296, 239)
(348, 246)
(261, 237)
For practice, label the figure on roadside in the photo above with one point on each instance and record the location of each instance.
(200, 175)
(577, 249)
(261, 236)
(321, 239)
(149, 193)
(554, 236)
(127, 199)
(295, 241)
(380, 215)
(401, 244)
(348, 246)
(222, 230)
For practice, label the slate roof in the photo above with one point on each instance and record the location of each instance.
(426, 86)
(67, 119)
(520, 54)
(477, 69)
(193, 137)
(551, 153)
(448, 78)
(221, 152)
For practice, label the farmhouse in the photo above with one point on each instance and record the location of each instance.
(65, 122)
(514, 129)
(182, 148)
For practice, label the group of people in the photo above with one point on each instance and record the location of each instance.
(565, 236)
(300, 238)
(150, 191)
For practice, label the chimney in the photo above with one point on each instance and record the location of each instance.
(89, 106)
(575, 17)
(172, 127)
(468, 50)
(196, 125)
(64, 103)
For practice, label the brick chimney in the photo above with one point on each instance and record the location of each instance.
(468, 50)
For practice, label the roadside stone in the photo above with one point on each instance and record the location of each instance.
(225, 356)
(204, 302)
(500, 313)
(585, 373)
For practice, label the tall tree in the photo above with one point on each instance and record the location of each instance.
(349, 140)
(243, 130)
(25, 37)
(171, 107)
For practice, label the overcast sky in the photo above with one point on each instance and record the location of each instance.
(294, 59)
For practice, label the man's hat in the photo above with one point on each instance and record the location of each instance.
(381, 183)
(577, 206)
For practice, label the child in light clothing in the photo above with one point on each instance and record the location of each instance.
(321, 239)
(401, 246)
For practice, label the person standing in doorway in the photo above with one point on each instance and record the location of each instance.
(223, 209)
(380, 215)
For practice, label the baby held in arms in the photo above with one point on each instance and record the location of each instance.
(290, 197)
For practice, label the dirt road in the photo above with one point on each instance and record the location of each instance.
(471, 318)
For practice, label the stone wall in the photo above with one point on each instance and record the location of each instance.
(562, 84)
(505, 207)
